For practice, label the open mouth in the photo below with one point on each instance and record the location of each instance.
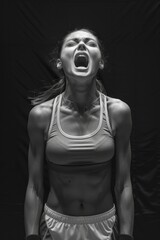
(81, 60)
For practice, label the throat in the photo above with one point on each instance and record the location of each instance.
(81, 104)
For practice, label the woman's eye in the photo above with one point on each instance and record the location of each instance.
(93, 44)
(70, 44)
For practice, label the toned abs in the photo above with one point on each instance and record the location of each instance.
(79, 190)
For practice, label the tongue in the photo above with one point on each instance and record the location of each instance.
(81, 61)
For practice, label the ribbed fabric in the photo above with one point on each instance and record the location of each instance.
(57, 226)
(80, 219)
(93, 148)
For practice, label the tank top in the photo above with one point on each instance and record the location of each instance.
(65, 150)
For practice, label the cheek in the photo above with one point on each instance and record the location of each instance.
(66, 57)
(95, 60)
(96, 56)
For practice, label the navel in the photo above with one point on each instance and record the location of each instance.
(81, 204)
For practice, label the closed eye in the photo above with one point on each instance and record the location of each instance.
(70, 44)
(91, 43)
(87, 41)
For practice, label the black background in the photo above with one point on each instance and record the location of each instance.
(130, 33)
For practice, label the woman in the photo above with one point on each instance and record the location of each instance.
(79, 132)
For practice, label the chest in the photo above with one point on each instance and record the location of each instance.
(76, 124)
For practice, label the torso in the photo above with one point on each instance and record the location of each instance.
(80, 190)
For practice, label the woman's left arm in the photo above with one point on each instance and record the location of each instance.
(123, 186)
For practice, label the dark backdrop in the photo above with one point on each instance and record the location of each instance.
(130, 33)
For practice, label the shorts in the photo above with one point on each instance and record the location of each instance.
(57, 226)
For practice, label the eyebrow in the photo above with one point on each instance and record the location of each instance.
(78, 40)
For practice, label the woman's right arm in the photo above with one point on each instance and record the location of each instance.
(34, 193)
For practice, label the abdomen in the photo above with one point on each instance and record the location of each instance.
(81, 191)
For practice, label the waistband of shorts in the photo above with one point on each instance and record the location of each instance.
(79, 219)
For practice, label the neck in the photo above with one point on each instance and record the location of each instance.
(80, 97)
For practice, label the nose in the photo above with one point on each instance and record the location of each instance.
(81, 46)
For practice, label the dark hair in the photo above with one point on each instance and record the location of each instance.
(59, 83)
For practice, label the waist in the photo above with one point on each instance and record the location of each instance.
(80, 219)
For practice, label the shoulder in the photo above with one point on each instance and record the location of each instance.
(117, 107)
(119, 112)
(40, 114)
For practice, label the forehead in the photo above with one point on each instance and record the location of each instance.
(80, 35)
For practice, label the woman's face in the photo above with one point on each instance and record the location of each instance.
(80, 55)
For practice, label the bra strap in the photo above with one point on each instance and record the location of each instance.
(107, 114)
(52, 116)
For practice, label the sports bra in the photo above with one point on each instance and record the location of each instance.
(95, 148)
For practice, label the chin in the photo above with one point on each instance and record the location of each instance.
(81, 74)
(84, 72)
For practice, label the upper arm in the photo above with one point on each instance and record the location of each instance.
(123, 124)
(36, 148)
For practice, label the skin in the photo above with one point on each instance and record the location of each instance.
(80, 192)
